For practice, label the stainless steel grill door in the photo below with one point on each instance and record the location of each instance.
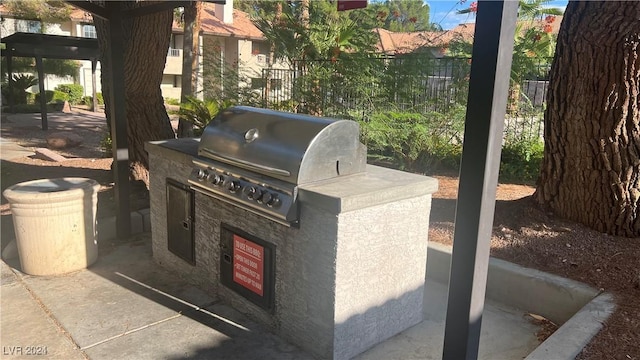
(180, 223)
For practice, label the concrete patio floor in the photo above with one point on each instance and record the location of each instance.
(127, 307)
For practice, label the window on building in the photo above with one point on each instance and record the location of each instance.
(177, 81)
(89, 31)
(260, 48)
(29, 26)
(35, 26)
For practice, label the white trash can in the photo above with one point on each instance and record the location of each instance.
(55, 224)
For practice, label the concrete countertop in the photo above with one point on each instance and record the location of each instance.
(378, 185)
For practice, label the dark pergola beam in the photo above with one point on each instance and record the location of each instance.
(484, 123)
(94, 102)
(118, 111)
(10, 80)
(43, 95)
(62, 52)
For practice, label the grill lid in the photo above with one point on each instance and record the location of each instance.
(290, 147)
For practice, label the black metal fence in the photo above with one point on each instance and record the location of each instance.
(415, 83)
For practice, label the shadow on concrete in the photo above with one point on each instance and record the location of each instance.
(204, 329)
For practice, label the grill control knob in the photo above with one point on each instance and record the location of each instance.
(233, 186)
(265, 198)
(252, 192)
(217, 180)
(202, 174)
(274, 202)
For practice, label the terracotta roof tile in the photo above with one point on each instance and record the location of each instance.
(241, 27)
(406, 42)
(81, 15)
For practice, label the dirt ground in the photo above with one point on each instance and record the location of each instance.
(522, 233)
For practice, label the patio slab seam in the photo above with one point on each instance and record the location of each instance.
(48, 313)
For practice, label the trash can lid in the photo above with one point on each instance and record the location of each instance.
(50, 188)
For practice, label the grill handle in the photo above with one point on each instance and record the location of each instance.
(246, 164)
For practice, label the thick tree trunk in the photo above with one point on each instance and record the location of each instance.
(146, 44)
(591, 167)
(190, 61)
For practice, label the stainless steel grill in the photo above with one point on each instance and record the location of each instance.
(256, 158)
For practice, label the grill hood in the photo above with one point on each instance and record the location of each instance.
(290, 147)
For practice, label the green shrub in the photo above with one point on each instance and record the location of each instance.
(31, 97)
(521, 160)
(74, 92)
(53, 96)
(201, 112)
(172, 101)
(88, 100)
(20, 83)
(415, 141)
(48, 94)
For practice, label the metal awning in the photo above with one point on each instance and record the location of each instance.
(50, 46)
(41, 46)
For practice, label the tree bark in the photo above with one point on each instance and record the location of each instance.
(591, 167)
(146, 44)
(190, 61)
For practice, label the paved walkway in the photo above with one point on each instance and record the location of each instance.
(57, 122)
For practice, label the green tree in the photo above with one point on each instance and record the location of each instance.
(47, 11)
(309, 40)
(534, 42)
(403, 15)
(591, 166)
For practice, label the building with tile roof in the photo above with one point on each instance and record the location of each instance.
(400, 43)
(223, 29)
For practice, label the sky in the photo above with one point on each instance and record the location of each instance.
(443, 12)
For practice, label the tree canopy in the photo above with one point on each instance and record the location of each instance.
(403, 15)
(326, 34)
(47, 11)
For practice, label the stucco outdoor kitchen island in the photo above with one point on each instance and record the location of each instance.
(347, 275)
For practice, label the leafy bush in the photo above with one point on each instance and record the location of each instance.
(74, 92)
(201, 112)
(53, 96)
(172, 101)
(20, 83)
(31, 98)
(88, 100)
(414, 141)
(521, 160)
